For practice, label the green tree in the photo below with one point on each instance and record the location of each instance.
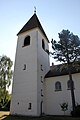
(67, 50)
(5, 79)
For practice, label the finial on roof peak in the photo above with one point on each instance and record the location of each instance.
(34, 10)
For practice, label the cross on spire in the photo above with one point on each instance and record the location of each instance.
(34, 10)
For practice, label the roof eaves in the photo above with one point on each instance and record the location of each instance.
(31, 24)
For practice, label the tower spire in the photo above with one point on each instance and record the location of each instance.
(34, 10)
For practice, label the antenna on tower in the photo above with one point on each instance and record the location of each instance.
(34, 10)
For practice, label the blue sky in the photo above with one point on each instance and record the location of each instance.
(54, 16)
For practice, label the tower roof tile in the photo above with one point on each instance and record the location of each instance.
(31, 24)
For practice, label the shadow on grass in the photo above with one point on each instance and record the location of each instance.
(10, 117)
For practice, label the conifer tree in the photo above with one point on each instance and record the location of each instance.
(67, 50)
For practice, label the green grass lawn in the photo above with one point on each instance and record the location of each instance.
(6, 116)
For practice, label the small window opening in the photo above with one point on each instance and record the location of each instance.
(18, 103)
(41, 92)
(43, 44)
(69, 84)
(24, 67)
(41, 67)
(41, 79)
(58, 86)
(27, 41)
(30, 106)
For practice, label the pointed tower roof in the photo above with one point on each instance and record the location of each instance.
(31, 24)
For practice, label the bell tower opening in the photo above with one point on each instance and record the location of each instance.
(43, 44)
(26, 41)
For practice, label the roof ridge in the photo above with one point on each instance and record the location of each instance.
(32, 23)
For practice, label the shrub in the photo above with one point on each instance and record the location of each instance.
(64, 107)
(5, 102)
(76, 113)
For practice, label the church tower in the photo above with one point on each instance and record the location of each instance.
(31, 65)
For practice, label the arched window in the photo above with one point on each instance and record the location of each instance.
(69, 84)
(57, 86)
(43, 44)
(27, 41)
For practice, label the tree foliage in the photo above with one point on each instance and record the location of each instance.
(67, 50)
(5, 79)
(4, 99)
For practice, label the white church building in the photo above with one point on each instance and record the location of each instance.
(38, 88)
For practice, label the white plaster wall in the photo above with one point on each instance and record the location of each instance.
(43, 59)
(53, 99)
(25, 81)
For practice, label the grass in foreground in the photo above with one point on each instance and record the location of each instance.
(6, 116)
